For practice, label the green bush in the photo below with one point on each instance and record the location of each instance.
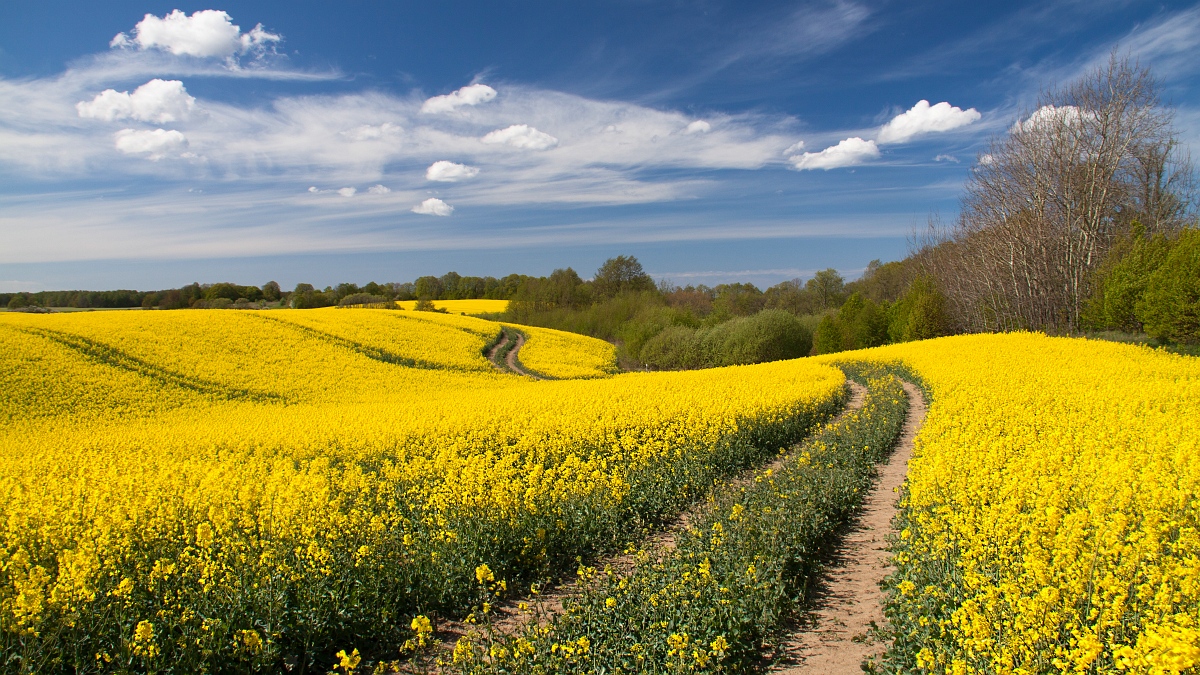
(675, 348)
(1123, 280)
(920, 314)
(1170, 306)
(770, 335)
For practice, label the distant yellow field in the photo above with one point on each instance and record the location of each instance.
(462, 306)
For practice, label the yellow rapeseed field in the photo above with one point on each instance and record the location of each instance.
(561, 355)
(198, 489)
(462, 306)
(1051, 520)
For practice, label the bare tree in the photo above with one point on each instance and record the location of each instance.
(1045, 203)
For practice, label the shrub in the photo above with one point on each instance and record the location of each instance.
(1170, 307)
(920, 314)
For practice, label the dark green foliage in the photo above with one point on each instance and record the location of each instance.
(770, 335)
(426, 305)
(1123, 280)
(737, 300)
(827, 287)
(920, 314)
(859, 324)
(365, 299)
(622, 274)
(1170, 306)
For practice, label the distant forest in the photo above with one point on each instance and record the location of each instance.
(1079, 219)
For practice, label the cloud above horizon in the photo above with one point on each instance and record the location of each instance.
(470, 95)
(923, 118)
(154, 145)
(208, 33)
(158, 101)
(433, 207)
(850, 152)
(449, 172)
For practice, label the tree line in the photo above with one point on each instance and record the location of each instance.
(1080, 217)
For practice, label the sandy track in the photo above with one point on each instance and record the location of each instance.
(836, 637)
(511, 363)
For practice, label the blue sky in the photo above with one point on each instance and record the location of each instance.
(150, 144)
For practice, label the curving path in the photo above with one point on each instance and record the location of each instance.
(510, 363)
(847, 601)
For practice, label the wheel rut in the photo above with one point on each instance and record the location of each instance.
(508, 619)
(838, 634)
(504, 354)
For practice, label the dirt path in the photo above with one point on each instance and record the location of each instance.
(508, 619)
(511, 362)
(848, 602)
(491, 356)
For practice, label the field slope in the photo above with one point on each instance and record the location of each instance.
(235, 491)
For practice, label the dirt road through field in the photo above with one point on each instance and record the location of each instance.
(511, 363)
(508, 620)
(848, 602)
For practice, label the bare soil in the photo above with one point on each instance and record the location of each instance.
(837, 636)
(511, 362)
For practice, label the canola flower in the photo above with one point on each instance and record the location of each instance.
(1051, 516)
(209, 488)
(712, 601)
(467, 307)
(561, 355)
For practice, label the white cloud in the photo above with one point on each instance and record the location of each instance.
(158, 101)
(946, 158)
(1048, 116)
(986, 159)
(378, 190)
(521, 136)
(207, 33)
(472, 94)
(313, 189)
(155, 144)
(449, 172)
(348, 191)
(698, 127)
(794, 148)
(923, 118)
(433, 207)
(373, 132)
(850, 152)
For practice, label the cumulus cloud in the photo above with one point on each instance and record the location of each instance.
(378, 190)
(348, 191)
(158, 101)
(521, 136)
(433, 207)
(155, 144)
(850, 152)
(1048, 116)
(472, 94)
(449, 172)
(794, 148)
(923, 118)
(207, 33)
(698, 127)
